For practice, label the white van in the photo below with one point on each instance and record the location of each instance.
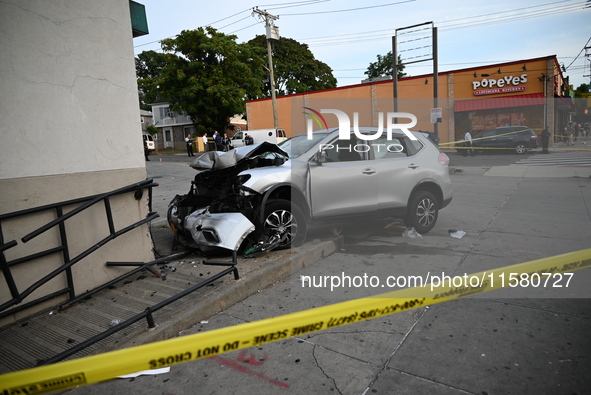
(259, 135)
(149, 142)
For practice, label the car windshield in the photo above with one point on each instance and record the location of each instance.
(300, 144)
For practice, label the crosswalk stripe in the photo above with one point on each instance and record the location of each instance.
(557, 160)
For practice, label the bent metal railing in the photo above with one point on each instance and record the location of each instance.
(6, 308)
(19, 296)
(147, 313)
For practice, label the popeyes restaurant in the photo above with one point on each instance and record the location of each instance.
(530, 93)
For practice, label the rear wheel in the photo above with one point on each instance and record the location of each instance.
(422, 212)
(520, 148)
(282, 216)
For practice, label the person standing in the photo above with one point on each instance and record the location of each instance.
(146, 150)
(545, 135)
(468, 143)
(210, 143)
(189, 142)
(226, 142)
(569, 135)
(204, 139)
(218, 141)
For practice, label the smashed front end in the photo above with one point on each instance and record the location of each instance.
(219, 211)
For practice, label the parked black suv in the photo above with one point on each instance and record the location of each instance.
(518, 138)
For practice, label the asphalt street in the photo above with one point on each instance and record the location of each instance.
(517, 340)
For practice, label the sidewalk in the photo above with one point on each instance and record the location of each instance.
(51, 332)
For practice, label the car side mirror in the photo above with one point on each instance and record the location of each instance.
(320, 157)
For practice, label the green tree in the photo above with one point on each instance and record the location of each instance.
(582, 91)
(148, 68)
(295, 68)
(204, 73)
(151, 129)
(383, 67)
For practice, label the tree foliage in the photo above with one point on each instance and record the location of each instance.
(202, 72)
(295, 68)
(582, 91)
(148, 67)
(383, 67)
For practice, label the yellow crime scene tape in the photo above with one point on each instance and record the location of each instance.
(106, 366)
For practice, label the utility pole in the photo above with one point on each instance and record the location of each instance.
(587, 54)
(272, 35)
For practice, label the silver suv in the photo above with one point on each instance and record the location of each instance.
(274, 192)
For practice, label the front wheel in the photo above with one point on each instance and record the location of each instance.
(282, 216)
(520, 148)
(422, 212)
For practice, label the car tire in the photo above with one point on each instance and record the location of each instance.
(520, 148)
(282, 213)
(423, 211)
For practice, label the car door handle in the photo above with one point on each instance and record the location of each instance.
(368, 171)
(413, 166)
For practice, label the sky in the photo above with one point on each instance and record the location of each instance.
(348, 35)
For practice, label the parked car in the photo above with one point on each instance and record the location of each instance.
(431, 136)
(517, 138)
(265, 195)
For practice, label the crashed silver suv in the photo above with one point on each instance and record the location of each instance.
(265, 196)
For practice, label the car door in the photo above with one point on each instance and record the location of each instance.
(238, 140)
(398, 169)
(346, 182)
(486, 140)
(505, 138)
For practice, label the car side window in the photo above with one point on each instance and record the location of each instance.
(416, 146)
(395, 148)
(345, 150)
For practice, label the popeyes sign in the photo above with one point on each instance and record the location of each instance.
(504, 84)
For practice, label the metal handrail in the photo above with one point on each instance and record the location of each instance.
(147, 313)
(5, 266)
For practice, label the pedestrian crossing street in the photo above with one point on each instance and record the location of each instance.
(566, 159)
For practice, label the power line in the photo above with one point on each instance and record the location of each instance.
(367, 36)
(441, 24)
(291, 5)
(576, 57)
(349, 9)
(209, 24)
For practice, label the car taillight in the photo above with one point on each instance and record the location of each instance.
(443, 159)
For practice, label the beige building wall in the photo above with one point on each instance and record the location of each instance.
(70, 128)
(368, 100)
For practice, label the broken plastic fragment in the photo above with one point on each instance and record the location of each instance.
(265, 246)
(411, 233)
(457, 234)
(115, 322)
(146, 372)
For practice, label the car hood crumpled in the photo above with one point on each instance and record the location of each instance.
(217, 160)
